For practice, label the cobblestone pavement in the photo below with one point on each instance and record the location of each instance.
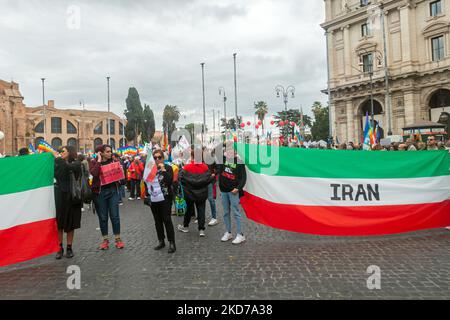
(271, 264)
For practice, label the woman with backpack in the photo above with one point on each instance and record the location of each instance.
(159, 198)
(68, 210)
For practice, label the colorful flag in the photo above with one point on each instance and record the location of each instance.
(44, 146)
(150, 167)
(367, 134)
(28, 218)
(346, 193)
(31, 148)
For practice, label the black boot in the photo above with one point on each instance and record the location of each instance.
(69, 253)
(172, 247)
(60, 253)
(160, 245)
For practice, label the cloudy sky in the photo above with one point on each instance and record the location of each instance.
(157, 46)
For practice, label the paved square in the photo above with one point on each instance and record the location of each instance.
(272, 264)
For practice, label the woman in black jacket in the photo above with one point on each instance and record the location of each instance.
(68, 211)
(160, 198)
(195, 178)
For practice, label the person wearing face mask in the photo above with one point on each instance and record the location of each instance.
(160, 199)
(106, 198)
(68, 211)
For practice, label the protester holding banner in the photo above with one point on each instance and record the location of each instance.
(195, 178)
(105, 186)
(232, 179)
(160, 198)
(68, 209)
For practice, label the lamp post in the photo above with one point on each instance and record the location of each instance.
(204, 111)
(285, 92)
(222, 93)
(386, 72)
(109, 121)
(84, 125)
(45, 110)
(235, 92)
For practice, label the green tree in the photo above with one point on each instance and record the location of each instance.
(134, 115)
(291, 115)
(171, 115)
(320, 128)
(261, 110)
(148, 125)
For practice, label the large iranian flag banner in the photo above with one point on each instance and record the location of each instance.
(346, 193)
(27, 208)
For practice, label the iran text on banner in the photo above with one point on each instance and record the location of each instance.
(27, 208)
(347, 193)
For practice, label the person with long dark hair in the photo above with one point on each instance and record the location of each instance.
(160, 196)
(68, 211)
(106, 197)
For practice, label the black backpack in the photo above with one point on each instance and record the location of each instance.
(86, 191)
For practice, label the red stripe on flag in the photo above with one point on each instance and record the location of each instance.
(347, 221)
(28, 241)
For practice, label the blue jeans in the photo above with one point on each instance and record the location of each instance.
(107, 203)
(122, 192)
(230, 202)
(212, 201)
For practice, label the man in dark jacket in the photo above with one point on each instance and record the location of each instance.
(195, 178)
(232, 179)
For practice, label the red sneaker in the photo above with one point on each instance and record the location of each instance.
(104, 245)
(119, 244)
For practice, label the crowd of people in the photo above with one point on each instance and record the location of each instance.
(197, 180)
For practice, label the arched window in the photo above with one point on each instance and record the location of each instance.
(122, 143)
(56, 143)
(112, 143)
(112, 126)
(439, 103)
(37, 140)
(72, 142)
(98, 142)
(56, 125)
(99, 128)
(40, 127)
(71, 129)
(121, 128)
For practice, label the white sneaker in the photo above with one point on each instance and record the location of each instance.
(239, 239)
(202, 233)
(213, 222)
(139, 198)
(448, 228)
(130, 198)
(196, 221)
(182, 229)
(227, 236)
(82, 210)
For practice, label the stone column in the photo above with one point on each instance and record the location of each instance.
(350, 121)
(347, 51)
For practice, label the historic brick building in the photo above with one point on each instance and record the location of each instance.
(417, 34)
(23, 125)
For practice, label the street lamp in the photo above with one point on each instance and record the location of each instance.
(45, 110)
(109, 122)
(285, 92)
(204, 111)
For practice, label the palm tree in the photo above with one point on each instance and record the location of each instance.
(171, 115)
(261, 110)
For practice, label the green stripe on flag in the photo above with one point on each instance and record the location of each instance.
(314, 163)
(18, 174)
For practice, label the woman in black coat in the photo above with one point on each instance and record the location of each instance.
(68, 212)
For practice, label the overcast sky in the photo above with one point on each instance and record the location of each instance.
(157, 46)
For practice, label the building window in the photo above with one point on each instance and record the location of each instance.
(367, 62)
(435, 8)
(56, 125)
(364, 3)
(98, 142)
(112, 126)
(121, 128)
(112, 143)
(365, 30)
(437, 48)
(71, 128)
(40, 127)
(56, 143)
(73, 143)
(99, 128)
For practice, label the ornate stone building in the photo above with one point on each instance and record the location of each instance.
(417, 38)
(23, 125)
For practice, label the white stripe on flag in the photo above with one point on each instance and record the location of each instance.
(27, 207)
(318, 191)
